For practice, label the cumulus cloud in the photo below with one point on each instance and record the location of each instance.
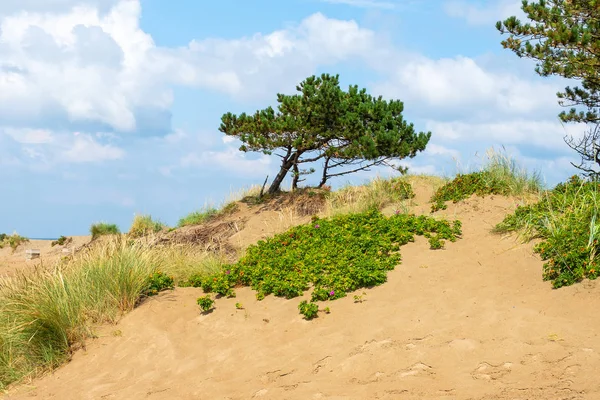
(465, 88)
(88, 66)
(85, 149)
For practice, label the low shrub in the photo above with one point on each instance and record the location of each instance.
(205, 303)
(102, 229)
(566, 219)
(157, 282)
(335, 256)
(309, 310)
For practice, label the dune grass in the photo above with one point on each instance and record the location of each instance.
(374, 195)
(229, 206)
(103, 229)
(13, 241)
(566, 218)
(500, 175)
(46, 313)
(144, 225)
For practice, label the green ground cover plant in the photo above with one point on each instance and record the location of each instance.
(501, 175)
(333, 256)
(566, 219)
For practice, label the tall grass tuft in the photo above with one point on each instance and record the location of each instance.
(144, 225)
(45, 314)
(375, 195)
(500, 175)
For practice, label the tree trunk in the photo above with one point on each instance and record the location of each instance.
(296, 177)
(324, 176)
(286, 164)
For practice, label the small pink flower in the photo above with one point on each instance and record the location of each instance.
(332, 293)
(317, 226)
(228, 272)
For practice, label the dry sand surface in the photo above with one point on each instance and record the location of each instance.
(12, 261)
(473, 321)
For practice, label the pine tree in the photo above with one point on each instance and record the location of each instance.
(563, 37)
(346, 131)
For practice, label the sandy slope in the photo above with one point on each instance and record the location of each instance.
(11, 261)
(473, 321)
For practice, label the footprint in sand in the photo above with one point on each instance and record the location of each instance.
(418, 369)
(490, 372)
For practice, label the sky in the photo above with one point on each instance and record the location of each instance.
(111, 108)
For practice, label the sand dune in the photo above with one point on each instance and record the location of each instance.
(473, 321)
(11, 261)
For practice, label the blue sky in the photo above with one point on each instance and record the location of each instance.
(110, 108)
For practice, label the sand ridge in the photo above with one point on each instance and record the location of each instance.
(473, 321)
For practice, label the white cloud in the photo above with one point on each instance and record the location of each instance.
(83, 66)
(460, 84)
(541, 133)
(258, 66)
(438, 150)
(483, 15)
(230, 159)
(85, 149)
(29, 136)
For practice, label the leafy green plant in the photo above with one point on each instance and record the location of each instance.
(309, 310)
(61, 241)
(335, 256)
(205, 303)
(239, 306)
(566, 219)
(102, 228)
(360, 298)
(144, 225)
(158, 282)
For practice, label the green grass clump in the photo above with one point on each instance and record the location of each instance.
(567, 220)
(61, 241)
(207, 214)
(500, 176)
(144, 225)
(102, 229)
(375, 195)
(335, 256)
(13, 241)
